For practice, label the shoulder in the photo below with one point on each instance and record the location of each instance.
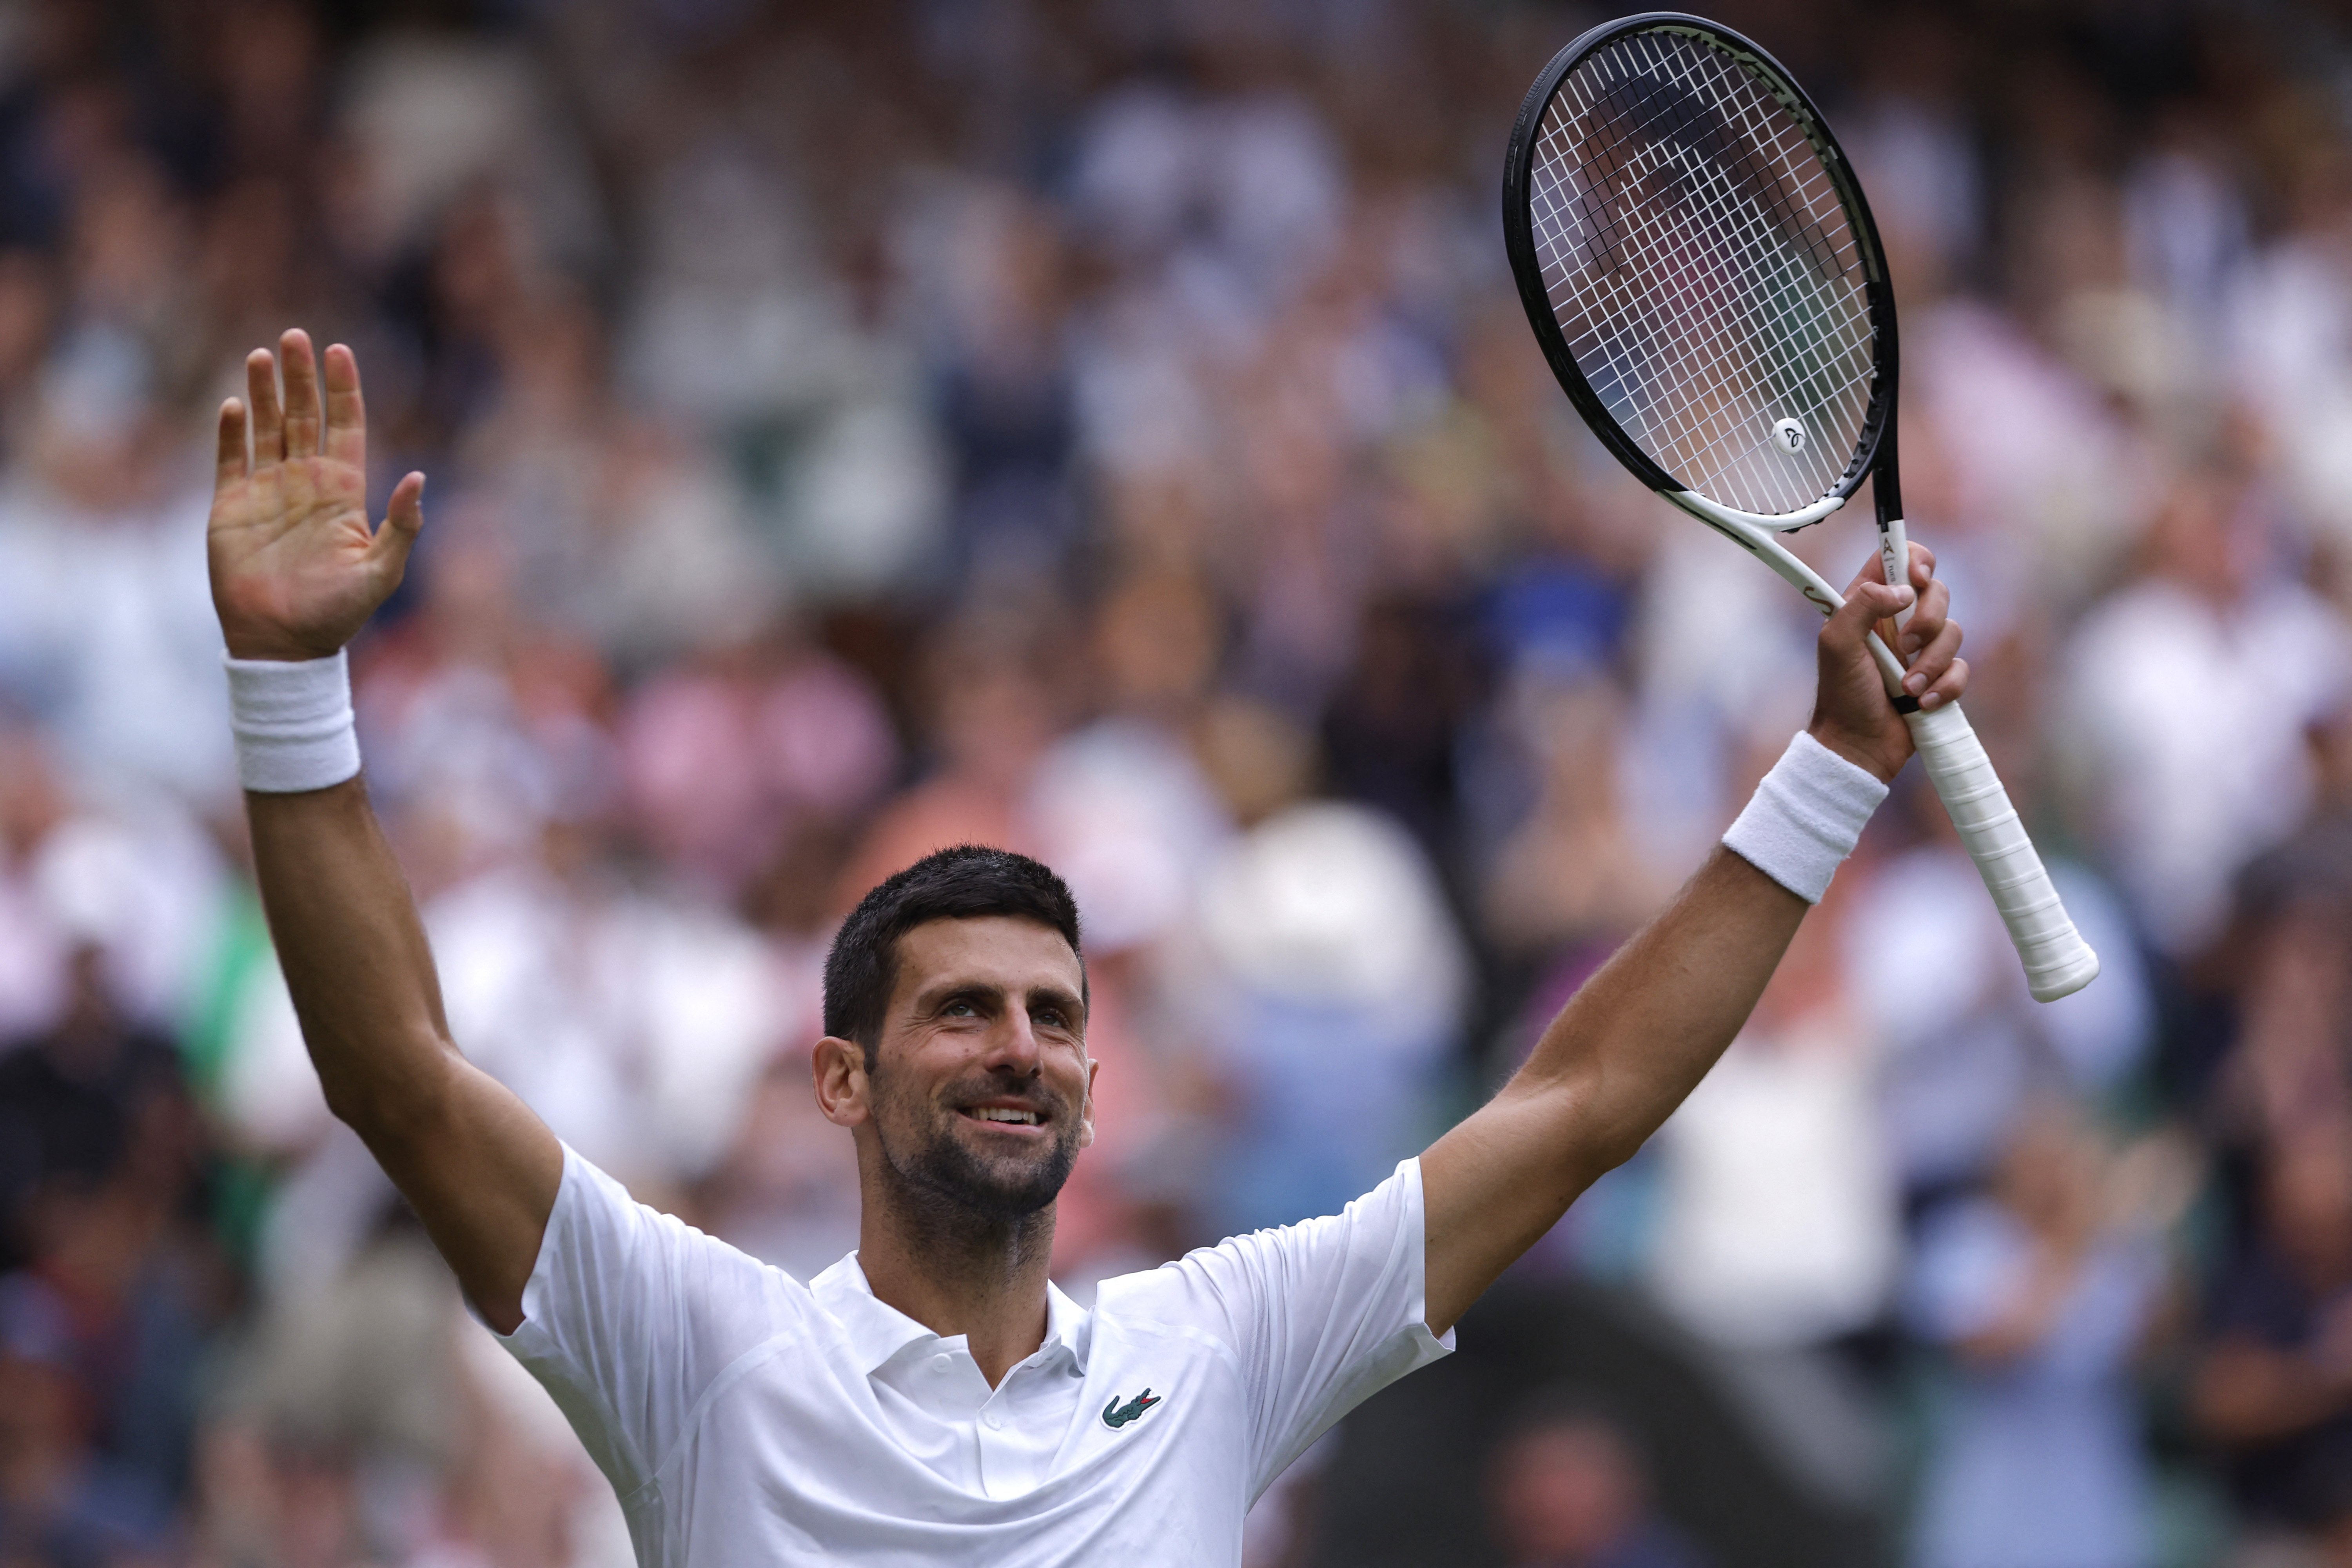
(603, 1241)
(1240, 1272)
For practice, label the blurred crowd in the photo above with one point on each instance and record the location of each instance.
(1107, 428)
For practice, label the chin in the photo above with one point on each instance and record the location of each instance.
(1015, 1187)
(998, 1187)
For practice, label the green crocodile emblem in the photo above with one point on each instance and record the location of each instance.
(1116, 1416)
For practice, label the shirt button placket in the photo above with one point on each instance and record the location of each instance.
(992, 1478)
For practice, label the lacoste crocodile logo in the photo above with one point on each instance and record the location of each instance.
(1116, 1416)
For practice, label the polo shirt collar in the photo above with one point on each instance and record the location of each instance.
(877, 1331)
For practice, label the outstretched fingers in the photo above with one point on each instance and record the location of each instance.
(301, 393)
(231, 465)
(261, 395)
(346, 413)
(403, 519)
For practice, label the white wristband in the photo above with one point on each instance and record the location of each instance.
(1806, 817)
(293, 723)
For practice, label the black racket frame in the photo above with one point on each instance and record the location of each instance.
(1876, 453)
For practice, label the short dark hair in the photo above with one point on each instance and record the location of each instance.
(969, 881)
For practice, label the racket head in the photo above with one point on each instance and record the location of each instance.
(1702, 271)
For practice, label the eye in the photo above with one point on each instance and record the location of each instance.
(960, 1008)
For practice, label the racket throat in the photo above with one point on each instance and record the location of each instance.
(1759, 537)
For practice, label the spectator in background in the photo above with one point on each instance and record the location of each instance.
(1931, 966)
(73, 1099)
(2273, 1387)
(61, 1505)
(1571, 878)
(1341, 977)
(96, 1118)
(1778, 1227)
(2195, 742)
(1566, 1489)
(2041, 1292)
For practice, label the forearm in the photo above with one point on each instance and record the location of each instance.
(478, 1167)
(1641, 1033)
(1636, 1039)
(1612, 1067)
(353, 952)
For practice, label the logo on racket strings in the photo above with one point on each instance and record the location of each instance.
(1789, 436)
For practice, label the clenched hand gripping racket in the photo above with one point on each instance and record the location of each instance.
(1698, 263)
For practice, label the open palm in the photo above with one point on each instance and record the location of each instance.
(295, 570)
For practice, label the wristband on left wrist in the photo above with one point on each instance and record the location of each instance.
(1806, 816)
(293, 721)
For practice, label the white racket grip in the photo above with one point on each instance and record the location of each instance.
(2058, 961)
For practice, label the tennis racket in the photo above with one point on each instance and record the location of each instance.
(1698, 263)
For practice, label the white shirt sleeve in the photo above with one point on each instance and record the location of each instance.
(1322, 1314)
(631, 1315)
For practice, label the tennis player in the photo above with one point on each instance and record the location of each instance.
(932, 1398)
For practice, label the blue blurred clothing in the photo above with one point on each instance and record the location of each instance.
(2039, 1462)
(1564, 616)
(103, 1517)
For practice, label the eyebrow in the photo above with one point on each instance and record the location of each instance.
(1068, 1002)
(1060, 996)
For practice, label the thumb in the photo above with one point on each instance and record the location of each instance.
(403, 519)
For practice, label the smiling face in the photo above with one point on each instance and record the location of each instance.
(978, 1099)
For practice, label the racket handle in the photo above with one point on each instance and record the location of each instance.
(2058, 961)
(1895, 559)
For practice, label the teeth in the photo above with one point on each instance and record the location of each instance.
(1026, 1117)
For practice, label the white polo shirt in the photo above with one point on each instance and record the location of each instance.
(744, 1418)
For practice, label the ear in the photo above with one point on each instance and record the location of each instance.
(839, 1068)
(1087, 1109)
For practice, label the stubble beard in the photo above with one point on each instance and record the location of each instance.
(940, 1179)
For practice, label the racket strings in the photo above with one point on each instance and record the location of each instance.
(1716, 201)
(1755, 234)
(1703, 271)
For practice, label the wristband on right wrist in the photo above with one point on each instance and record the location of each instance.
(293, 721)
(1805, 817)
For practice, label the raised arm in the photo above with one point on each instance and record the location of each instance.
(1636, 1039)
(296, 571)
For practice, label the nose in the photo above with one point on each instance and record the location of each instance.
(1012, 1045)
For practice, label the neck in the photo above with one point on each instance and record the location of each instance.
(958, 1269)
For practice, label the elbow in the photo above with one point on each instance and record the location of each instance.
(1605, 1153)
(1609, 1140)
(1588, 1131)
(389, 1093)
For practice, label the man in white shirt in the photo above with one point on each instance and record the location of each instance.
(932, 1398)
